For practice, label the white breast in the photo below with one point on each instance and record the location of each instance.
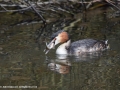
(62, 49)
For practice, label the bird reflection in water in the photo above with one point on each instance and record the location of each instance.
(61, 65)
(82, 50)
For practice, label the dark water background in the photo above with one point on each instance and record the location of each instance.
(23, 62)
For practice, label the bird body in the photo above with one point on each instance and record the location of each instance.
(77, 47)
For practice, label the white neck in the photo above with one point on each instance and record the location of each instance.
(62, 48)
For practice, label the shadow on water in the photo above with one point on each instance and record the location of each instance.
(23, 62)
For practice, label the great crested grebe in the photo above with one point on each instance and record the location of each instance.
(77, 47)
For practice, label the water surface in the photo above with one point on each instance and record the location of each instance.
(23, 62)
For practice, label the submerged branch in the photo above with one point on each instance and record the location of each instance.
(38, 13)
(40, 8)
(4, 8)
(12, 5)
(24, 4)
(24, 9)
(111, 3)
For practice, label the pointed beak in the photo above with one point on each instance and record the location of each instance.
(49, 46)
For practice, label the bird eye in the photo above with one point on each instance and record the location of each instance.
(54, 40)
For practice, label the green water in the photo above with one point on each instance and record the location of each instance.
(23, 62)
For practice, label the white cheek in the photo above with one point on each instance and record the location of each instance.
(57, 41)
